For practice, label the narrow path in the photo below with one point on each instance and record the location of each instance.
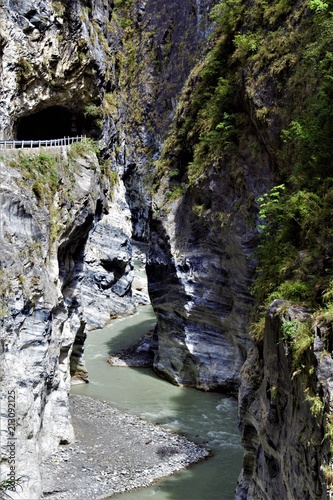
(33, 144)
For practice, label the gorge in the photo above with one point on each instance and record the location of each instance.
(208, 129)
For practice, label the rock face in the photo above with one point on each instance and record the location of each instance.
(203, 233)
(44, 299)
(39, 317)
(47, 61)
(108, 271)
(161, 37)
(283, 437)
(54, 65)
(200, 271)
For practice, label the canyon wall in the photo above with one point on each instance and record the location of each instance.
(242, 188)
(46, 230)
(66, 257)
(201, 261)
(200, 273)
(283, 406)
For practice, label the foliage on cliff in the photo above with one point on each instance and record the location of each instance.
(269, 68)
(296, 246)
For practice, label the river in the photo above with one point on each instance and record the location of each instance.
(204, 417)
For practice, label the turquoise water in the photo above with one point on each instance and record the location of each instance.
(204, 417)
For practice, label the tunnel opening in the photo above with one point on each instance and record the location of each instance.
(54, 122)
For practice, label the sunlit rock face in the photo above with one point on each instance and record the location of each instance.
(56, 255)
(52, 56)
(41, 311)
(108, 271)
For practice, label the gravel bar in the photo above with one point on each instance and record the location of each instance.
(113, 452)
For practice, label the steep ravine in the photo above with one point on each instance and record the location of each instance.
(195, 118)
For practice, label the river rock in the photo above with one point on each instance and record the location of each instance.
(105, 461)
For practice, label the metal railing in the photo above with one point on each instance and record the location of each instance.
(49, 143)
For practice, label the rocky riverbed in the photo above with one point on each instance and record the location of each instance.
(113, 452)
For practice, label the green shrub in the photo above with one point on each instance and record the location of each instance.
(82, 148)
(41, 170)
(318, 6)
(316, 403)
(289, 329)
(325, 314)
(293, 290)
(91, 110)
(245, 44)
(110, 104)
(24, 71)
(300, 337)
(288, 249)
(59, 7)
(257, 329)
(227, 14)
(175, 192)
(109, 173)
(174, 172)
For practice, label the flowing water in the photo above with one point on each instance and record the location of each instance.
(204, 417)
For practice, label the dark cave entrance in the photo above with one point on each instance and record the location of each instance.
(54, 122)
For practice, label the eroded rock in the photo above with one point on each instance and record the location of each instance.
(43, 298)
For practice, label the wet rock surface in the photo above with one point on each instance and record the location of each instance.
(113, 452)
(141, 354)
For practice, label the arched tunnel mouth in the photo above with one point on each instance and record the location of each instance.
(53, 122)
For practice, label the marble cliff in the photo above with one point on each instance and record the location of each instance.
(191, 117)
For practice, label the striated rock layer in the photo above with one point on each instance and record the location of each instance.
(68, 68)
(44, 304)
(199, 280)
